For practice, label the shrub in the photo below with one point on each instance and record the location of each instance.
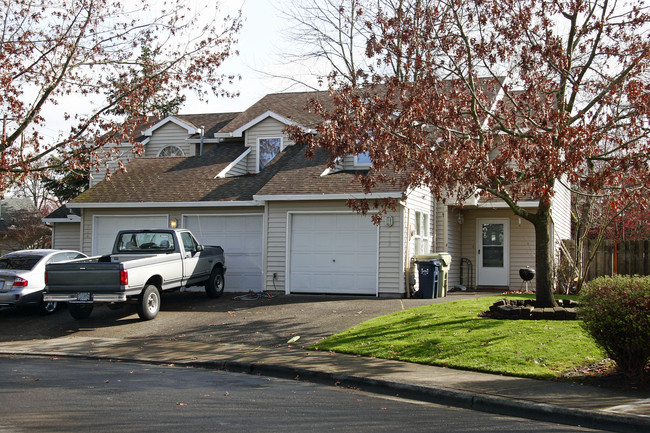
(616, 312)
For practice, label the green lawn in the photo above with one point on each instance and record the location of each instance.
(452, 335)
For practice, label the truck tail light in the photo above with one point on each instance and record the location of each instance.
(46, 278)
(124, 278)
(20, 282)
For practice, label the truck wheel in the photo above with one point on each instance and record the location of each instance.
(46, 308)
(216, 283)
(80, 311)
(149, 302)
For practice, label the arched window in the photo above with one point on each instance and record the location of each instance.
(171, 151)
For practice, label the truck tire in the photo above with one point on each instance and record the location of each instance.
(216, 283)
(149, 302)
(46, 308)
(80, 311)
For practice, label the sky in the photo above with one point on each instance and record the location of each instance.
(262, 42)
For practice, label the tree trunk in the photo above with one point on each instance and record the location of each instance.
(544, 257)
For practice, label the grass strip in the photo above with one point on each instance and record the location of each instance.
(453, 335)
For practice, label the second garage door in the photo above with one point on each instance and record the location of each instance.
(241, 238)
(333, 253)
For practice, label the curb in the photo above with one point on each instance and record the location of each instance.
(437, 395)
(447, 397)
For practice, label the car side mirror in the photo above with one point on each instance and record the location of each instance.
(199, 248)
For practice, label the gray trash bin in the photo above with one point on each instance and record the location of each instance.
(428, 275)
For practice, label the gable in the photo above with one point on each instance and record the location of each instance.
(170, 134)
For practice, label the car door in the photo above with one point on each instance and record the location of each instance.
(194, 267)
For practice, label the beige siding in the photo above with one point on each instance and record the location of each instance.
(561, 212)
(454, 244)
(267, 128)
(419, 200)
(239, 169)
(111, 162)
(65, 236)
(522, 241)
(391, 274)
(169, 134)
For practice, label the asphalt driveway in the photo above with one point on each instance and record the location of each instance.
(191, 316)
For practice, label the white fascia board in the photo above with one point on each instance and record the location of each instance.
(500, 204)
(308, 197)
(225, 171)
(205, 140)
(186, 204)
(189, 128)
(70, 219)
(240, 131)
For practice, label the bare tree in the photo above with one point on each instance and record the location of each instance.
(333, 32)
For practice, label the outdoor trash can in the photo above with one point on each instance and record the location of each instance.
(428, 275)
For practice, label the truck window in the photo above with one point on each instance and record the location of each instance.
(145, 242)
(188, 242)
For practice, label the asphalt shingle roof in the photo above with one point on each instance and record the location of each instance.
(290, 105)
(193, 179)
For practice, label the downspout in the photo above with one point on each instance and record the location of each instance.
(202, 135)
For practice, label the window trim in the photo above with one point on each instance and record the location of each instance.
(267, 137)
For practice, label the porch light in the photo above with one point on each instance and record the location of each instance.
(173, 223)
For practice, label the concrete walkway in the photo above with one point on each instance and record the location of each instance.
(564, 403)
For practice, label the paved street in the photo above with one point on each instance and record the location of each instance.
(64, 395)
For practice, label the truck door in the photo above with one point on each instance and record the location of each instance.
(193, 266)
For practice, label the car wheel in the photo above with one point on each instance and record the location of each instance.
(46, 308)
(80, 311)
(149, 302)
(216, 283)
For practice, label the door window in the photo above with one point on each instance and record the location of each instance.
(493, 243)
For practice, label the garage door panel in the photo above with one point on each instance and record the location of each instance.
(105, 228)
(333, 253)
(242, 241)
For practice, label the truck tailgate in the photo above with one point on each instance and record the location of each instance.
(83, 277)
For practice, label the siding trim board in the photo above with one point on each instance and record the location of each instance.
(172, 204)
(308, 197)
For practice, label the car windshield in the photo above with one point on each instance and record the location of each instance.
(145, 242)
(20, 263)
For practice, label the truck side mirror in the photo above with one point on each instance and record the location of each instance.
(199, 248)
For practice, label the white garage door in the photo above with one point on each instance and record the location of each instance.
(241, 238)
(105, 228)
(333, 253)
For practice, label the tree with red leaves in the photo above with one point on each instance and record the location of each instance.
(510, 99)
(119, 62)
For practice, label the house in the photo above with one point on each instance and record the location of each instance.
(236, 180)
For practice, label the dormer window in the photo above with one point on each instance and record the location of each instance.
(171, 151)
(362, 159)
(268, 149)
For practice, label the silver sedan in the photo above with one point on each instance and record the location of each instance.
(22, 277)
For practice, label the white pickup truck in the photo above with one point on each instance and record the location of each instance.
(142, 265)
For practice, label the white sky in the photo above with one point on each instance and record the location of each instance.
(262, 41)
(261, 44)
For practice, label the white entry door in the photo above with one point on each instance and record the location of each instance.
(332, 253)
(493, 256)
